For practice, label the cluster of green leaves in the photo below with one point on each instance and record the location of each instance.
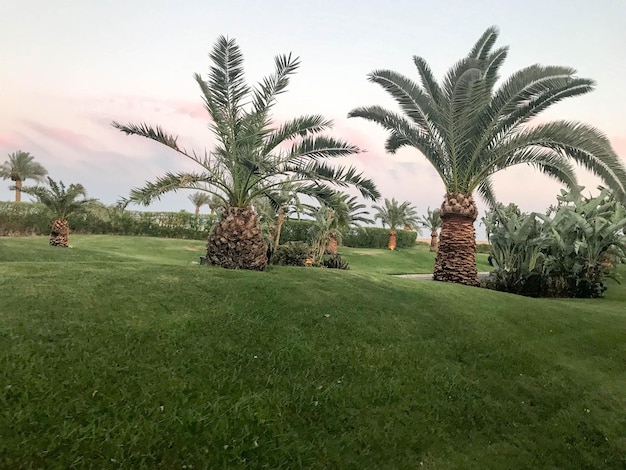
(334, 262)
(566, 253)
(291, 254)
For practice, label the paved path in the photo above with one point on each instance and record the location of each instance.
(429, 277)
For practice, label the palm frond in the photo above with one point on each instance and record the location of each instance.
(298, 127)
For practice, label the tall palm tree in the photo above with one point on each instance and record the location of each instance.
(19, 167)
(199, 199)
(432, 221)
(253, 155)
(468, 129)
(62, 203)
(396, 215)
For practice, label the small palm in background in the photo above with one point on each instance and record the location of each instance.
(395, 215)
(19, 167)
(62, 202)
(199, 199)
(432, 222)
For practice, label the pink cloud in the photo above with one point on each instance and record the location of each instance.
(63, 136)
(8, 141)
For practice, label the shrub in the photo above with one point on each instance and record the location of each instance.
(291, 254)
(567, 255)
(334, 262)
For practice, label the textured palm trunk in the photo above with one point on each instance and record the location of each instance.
(333, 244)
(18, 191)
(456, 258)
(59, 233)
(392, 239)
(434, 241)
(237, 242)
(197, 210)
(279, 227)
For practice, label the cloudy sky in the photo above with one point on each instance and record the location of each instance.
(70, 67)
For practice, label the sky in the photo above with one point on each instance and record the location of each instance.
(70, 67)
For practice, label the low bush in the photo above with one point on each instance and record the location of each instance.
(334, 262)
(291, 254)
(567, 253)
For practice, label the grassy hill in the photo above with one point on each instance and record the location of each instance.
(121, 353)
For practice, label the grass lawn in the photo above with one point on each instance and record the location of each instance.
(121, 353)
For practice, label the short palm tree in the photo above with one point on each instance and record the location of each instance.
(253, 155)
(348, 212)
(62, 203)
(396, 215)
(342, 212)
(19, 167)
(199, 199)
(432, 221)
(468, 129)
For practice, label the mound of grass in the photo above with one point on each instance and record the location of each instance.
(142, 360)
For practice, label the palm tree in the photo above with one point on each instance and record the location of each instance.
(469, 129)
(395, 215)
(199, 199)
(432, 221)
(347, 213)
(62, 203)
(253, 155)
(19, 167)
(215, 203)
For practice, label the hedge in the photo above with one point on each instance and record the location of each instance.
(35, 219)
(360, 237)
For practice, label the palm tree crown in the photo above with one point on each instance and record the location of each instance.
(19, 167)
(432, 220)
(61, 201)
(394, 215)
(199, 199)
(253, 155)
(469, 128)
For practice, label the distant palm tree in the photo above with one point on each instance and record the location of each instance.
(199, 199)
(432, 221)
(347, 213)
(19, 167)
(469, 129)
(62, 203)
(253, 155)
(396, 215)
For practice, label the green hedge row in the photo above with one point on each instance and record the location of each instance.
(36, 219)
(361, 237)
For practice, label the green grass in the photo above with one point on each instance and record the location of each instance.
(120, 353)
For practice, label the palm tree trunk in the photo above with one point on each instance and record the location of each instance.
(333, 243)
(18, 190)
(59, 233)
(434, 241)
(279, 226)
(392, 239)
(456, 258)
(197, 210)
(237, 242)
